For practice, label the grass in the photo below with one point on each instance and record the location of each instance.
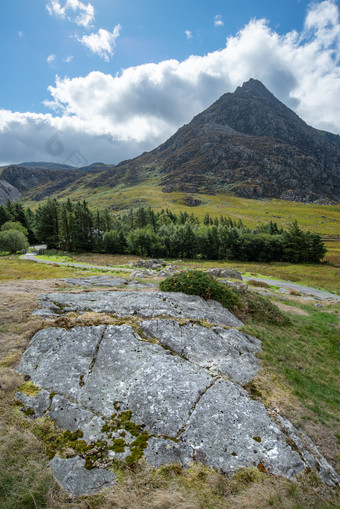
(13, 268)
(324, 277)
(307, 354)
(323, 219)
(298, 376)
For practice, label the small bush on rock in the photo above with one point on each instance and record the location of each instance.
(196, 282)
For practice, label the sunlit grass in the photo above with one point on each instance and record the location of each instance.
(322, 219)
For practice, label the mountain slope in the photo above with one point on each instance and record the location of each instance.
(251, 143)
(247, 142)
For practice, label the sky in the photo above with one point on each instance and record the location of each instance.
(105, 80)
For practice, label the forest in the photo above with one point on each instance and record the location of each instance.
(69, 226)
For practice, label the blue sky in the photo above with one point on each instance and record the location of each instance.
(107, 79)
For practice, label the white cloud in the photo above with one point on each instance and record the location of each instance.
(82, 14)
(68, 59)
(21, 34)
(188, 33)
(102, 43)
(218, 20)
(110, 118)
(51, 58)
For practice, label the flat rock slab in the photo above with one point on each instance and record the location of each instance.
(110, 281)
(229, 352)
(185, 411)
(144, 304)
(77, 480)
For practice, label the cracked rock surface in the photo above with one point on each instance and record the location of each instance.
(144, 304)
(165, 390)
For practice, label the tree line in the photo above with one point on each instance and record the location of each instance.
(74, 227)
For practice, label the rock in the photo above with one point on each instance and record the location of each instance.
(77, 480)
(144, 304)
(190, 201)
(143, 273)
(310, 452)
(39, 403)
(150, 264)
(159, 388)
(59, 361)
(232, 431)
(228, 352)
(70, 416)
(226, 273)
(162, 452)
(96, 281)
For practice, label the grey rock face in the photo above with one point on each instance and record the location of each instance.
(227, 273)
(39, 403)
(229, 352)
(144, 304)
(8, 192)
(119, 389)
(76, 479)
(157, 387)
(228, 430)
(59, 361)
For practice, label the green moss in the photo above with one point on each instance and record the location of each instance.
(118, 445)
(30, 389)
(137, 448)
(29, 412)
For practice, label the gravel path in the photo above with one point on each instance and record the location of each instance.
(32, 258)
(304, 290)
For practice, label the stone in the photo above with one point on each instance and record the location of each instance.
(71, 416)
(232, 431)
(228, 352)
(39, 403)
(77, 480)
(59, 360)
(111, 281)
(144, 304)
(225, 273)
(160, 389)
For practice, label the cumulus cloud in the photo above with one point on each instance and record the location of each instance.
(110, 118)
(188, 33)
(82, 14)
(218, 20)
(102, 43)
(51, 58)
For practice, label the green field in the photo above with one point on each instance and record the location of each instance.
(322, 219)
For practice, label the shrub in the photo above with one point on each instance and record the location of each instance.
(13, 241)
(196, 282)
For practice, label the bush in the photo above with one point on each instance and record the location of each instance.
(196, 282)
(13, 241)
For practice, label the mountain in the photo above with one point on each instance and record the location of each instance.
(247, 142)
(250, 143)
(8, 192)
(46, 166)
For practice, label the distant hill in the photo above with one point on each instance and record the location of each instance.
(46, 166)
(247, 143)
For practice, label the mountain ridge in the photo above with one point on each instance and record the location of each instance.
(247, 142)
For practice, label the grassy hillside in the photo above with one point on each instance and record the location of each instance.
(322, 219)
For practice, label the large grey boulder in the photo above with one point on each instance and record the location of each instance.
(144, 304)
(77, 480)
(183, 411)
(229, 352)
